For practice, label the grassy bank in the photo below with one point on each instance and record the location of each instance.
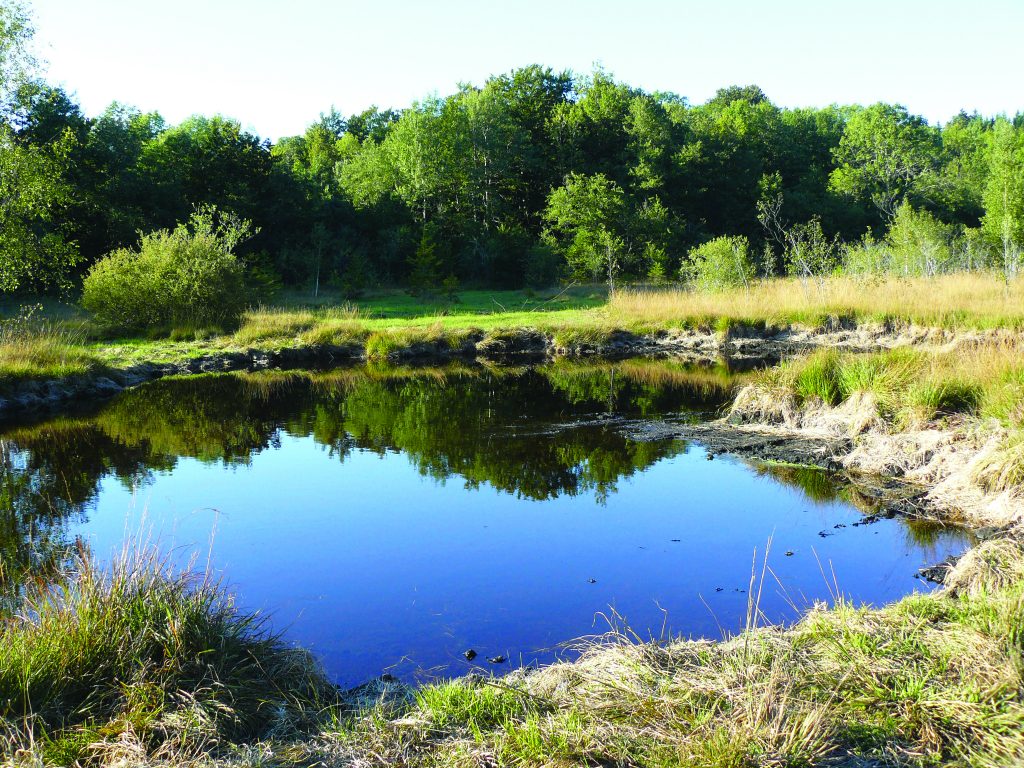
(961, 302)
(910, 386)
(141, 666)
(383, 325)
(137, 660)
(42, 351)
(391, 321)
(979, 387)
(931, 680)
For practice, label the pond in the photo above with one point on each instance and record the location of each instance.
(390, 519)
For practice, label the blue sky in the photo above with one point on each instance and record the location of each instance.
(276, 65)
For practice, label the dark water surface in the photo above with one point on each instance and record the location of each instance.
(391, 519)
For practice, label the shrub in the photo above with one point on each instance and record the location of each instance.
(809, 253)
(719, 264)
(866, 258)
(918, 243)
(185, 277)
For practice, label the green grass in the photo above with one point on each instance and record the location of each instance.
(41, 350)
(390, 321)
(137, 664)
(980, 384)
(139, 651)
(911, 386)
(932, 680)
(396, 304)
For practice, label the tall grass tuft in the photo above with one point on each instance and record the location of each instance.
(36, 348)
(911, 386)
(138, 651)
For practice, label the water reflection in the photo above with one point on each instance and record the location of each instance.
(386, 513)
(485, 425)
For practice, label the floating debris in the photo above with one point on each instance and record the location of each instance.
(470, 654)
(497, 659)
(591, 581)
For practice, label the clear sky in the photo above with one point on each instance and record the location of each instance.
(276, 65)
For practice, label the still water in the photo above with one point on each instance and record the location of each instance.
(391, 519)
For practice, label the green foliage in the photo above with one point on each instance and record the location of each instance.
(809, 252)
(15, 60)
(357, 274)
(425, 265)
(34, 249)
(719, 264)
(528, 177)
(918, 243)
(886, 156)
(188, 276)
(1004, 196)
(584, 217)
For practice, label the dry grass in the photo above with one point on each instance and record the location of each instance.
(969, 300)
(992, 565)
(931, 680)
(952, 421)
(908, 387)
(268, 324)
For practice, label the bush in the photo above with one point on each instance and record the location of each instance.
(916, 245)
(919, 243)
(809, 253)
(185, 277)
(719, 264)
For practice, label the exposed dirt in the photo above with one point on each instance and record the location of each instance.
(936, 466)
(740, 346)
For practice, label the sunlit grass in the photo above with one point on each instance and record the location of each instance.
(578, 317)
(913, 386)
(41, 351)
(137, 653)
(910, 389)
(963, 300)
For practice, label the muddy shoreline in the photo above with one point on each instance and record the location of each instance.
(926, 474)
(740, 347)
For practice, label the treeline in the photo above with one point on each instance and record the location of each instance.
(534, 176)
